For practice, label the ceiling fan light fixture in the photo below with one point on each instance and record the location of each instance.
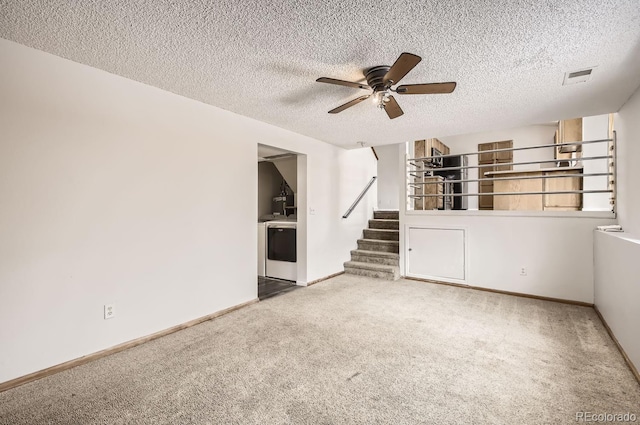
(381, 97)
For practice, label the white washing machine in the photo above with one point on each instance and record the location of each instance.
(281, 248)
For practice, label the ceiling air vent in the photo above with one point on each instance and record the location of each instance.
(579, 76)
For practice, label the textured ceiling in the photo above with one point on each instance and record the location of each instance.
(261, 58)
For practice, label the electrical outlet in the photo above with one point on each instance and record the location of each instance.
(312, 211)
(109, 311)
(523, 271)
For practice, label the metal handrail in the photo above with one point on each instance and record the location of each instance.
(551, 192)
(359, 198)
(495, 179)
(425, 173)
(523, 148)
(509, 164)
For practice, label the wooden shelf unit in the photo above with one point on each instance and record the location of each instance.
(423, 148)
(568, 131)
(486, 202)
(540, 202)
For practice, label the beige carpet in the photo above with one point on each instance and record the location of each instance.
(352, 350)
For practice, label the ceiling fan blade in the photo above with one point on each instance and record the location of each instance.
(398, 70)
(392, 108)
(433, 88)
(342, 83)
(349, 104)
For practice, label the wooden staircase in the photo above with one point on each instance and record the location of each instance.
(378, 251)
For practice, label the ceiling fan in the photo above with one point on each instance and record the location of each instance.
(381, 78)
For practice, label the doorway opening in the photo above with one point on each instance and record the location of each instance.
(280, 250)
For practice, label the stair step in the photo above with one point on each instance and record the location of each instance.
(393, 215)
(382, 234)
(384, 223)
(378, 245)
(375, 257)
(380, 271)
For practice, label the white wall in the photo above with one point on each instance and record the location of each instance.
(389, 181)
(555, 248)
(617, 288)
(532, 135)
(557, 252)
(627, 125)
(112, 191)
(595, 128)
